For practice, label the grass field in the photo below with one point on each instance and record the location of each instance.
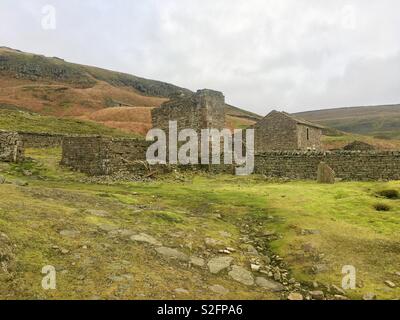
(83, 229)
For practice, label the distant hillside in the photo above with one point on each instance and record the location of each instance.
(52, 86)
(377, 121)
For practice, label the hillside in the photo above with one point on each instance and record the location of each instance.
(377, 121)
(52, 86)
(12, 120)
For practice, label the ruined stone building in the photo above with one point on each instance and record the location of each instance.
(201, 110)
(282, 131)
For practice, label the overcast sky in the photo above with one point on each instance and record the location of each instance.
(291, 55)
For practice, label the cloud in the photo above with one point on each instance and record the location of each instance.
(263, 54)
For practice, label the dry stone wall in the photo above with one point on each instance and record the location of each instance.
(41, 140)
(104, 156)
(348, 165)
(11, 147)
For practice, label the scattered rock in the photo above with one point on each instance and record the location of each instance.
(369, 296)
(319, 268)
(294, 296)
(250, 249)
(172, 253)
(397, 273)
(212, 243)
(142, 237)
(325, 174)
(218, 289)
(216, 265)
(338, 290)
(64, 251)
(317, 295)
(270, 285)
(2, 180)
(255, 267)
(69, 233)
(198, 262)
(181, 291)
(242, 275)
(390, 284)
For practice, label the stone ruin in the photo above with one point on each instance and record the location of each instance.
(201, 110)
(11, 147)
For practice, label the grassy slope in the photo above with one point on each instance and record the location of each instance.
(23, 121)
(182, 213)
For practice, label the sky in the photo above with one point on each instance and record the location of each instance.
(291, 55)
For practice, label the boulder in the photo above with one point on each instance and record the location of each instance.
(325, 174)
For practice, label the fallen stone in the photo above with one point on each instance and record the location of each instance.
(142, 237)
(172, 253)
(181, 291)
(218, 289)
(212, 243)
(216, 265)
(255, 267)
(198, 262)
(241, 275)
(270, 285)
(317, 295)
(397, 273)
(338, 290)
(390, 284)
(325, 174)
(369, 296)
(294, 296)
(2, 180)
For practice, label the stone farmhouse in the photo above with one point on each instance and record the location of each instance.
(282, 131)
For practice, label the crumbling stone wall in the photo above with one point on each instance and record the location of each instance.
(11, 147)
(103, 156)
(41, 140)
(348, 165)
(204, 109)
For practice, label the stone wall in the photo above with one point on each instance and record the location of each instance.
(11, 147)
(348, 165)
(204, 109)
(106, 156)
(41, 140)
(309, 138)
(103, 156)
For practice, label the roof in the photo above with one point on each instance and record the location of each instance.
(297, 120)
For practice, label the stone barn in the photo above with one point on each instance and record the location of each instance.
(201, 110)
(282, 131)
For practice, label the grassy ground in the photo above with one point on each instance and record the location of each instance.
(12, 120)
(321, 228)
